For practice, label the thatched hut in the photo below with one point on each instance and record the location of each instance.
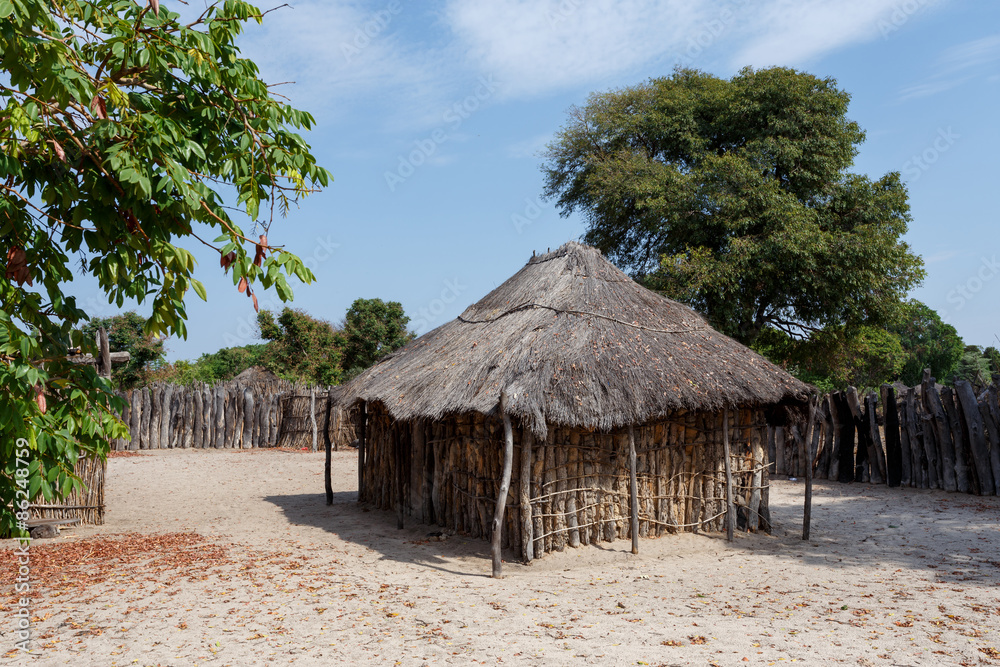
(601, 403)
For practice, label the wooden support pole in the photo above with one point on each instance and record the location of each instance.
(508, 464)
(312, 417)
(104, 351)
(807, 507)
(400, 477)
(633, 490)
(362, 436)
(527, 536)
(730, 505)
(329, 449)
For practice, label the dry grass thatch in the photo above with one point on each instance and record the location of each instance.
(258, 375)
(573, 341)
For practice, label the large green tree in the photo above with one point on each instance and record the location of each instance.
(372, 329)
(834, 358)
(301, 348)
(929, 342)
(124, 133)
(127, 333)
(735, 197)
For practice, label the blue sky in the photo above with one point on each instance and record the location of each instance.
(430, 116)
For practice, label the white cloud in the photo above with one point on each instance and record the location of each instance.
(955, 66)
(529, 148)
(407, 67)
(942, 256)
(338, 52)
(928, 88)
(971, 54)
(537, 47)
(793, 32)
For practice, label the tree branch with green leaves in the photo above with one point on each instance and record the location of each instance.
(121, 130)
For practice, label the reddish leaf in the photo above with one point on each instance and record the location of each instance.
(17, 266)
(226, 260)
(98, 106)
(261, 251)
(242, 287)
(256, 308)
(40, 398)
(155, 4)
(60, 153)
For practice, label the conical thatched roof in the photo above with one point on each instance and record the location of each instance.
(256, 375)
(573, 341)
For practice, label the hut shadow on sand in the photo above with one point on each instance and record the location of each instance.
(372, 528)
(570, 406)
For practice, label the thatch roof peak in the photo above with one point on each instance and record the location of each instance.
(575, 341)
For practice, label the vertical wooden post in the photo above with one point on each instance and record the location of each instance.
(312, 416)
(397, 441)
(876, 456)
(508, 464)
(807, 507)
(362, 436)
(633, 490)
(329, 448)
(919, 474)
(730, 505)
(977, 437)
(104, 352)
(932, 448)
(527, 536)
(943, 435)
(962, 470)
(894, 462)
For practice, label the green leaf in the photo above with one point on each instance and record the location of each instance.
(199, 289)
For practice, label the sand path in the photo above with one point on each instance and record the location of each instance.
(891, 577)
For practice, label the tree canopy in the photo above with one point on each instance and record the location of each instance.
(372, 329)
(123, 133)
(301, 348)
(929, 343)
(835, 358)
(127, 333)
(734, 196)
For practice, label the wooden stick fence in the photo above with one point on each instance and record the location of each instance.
(926, 437)
(233, 416)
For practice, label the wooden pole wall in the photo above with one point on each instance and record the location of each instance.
(928, 437)
(633, 491)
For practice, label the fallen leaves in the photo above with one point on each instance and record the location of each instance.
(124, 454)
(58, 568)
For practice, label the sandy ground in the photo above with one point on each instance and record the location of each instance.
(269, 575)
